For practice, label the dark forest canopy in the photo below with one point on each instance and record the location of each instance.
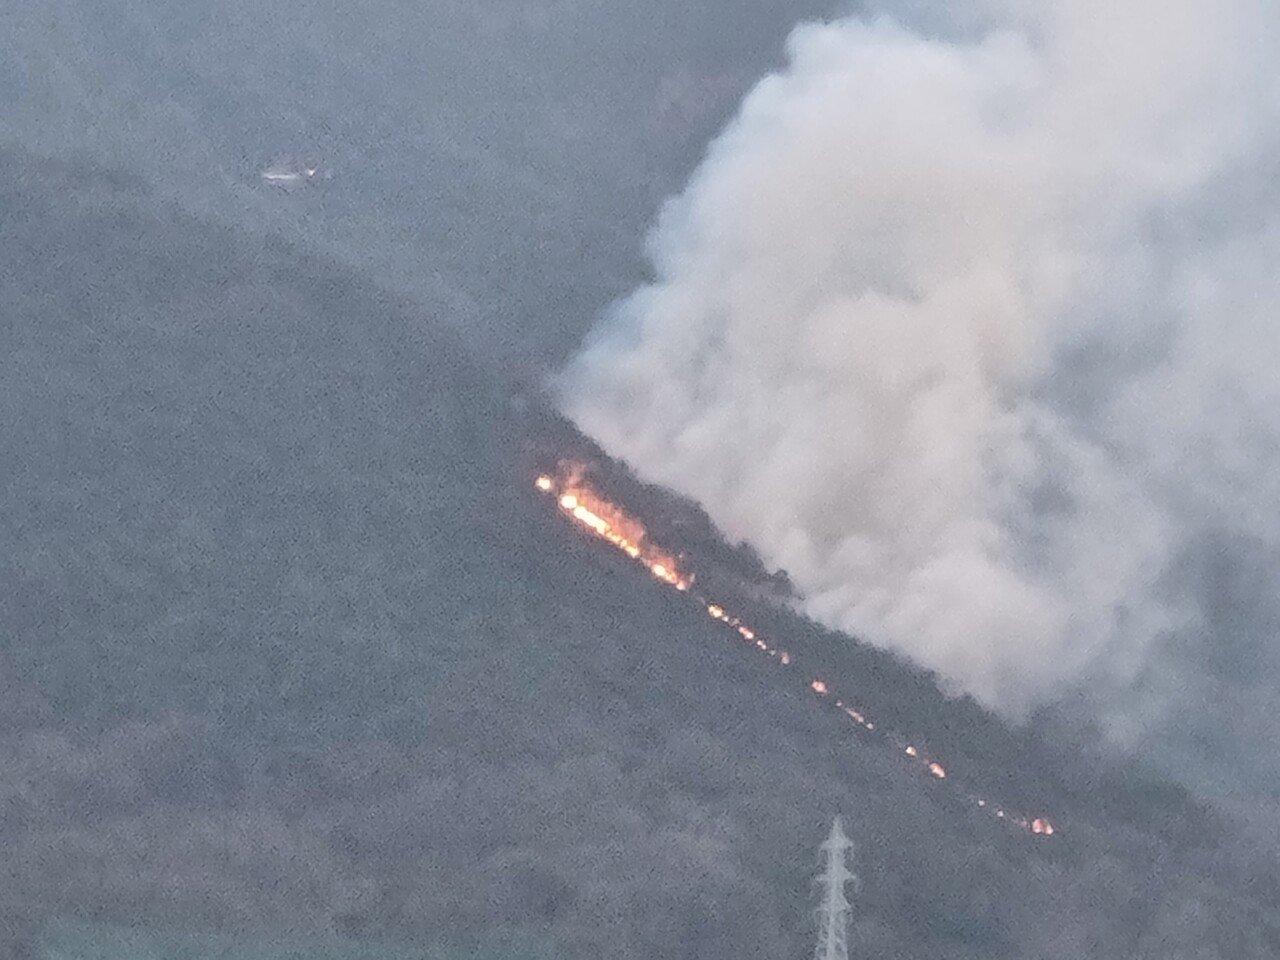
(291, 652)
(497, 159)
(293, 662)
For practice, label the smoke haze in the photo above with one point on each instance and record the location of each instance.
(972, 332)
(294, 661)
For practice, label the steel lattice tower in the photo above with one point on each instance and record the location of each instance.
(833, 911)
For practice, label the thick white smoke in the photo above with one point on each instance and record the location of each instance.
(974, 332)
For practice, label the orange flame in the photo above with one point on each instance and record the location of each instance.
(599, 517)
(611, 523)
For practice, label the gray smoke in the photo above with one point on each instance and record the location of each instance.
(973, 332)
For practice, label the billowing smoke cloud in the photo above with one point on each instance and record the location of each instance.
(973, 332)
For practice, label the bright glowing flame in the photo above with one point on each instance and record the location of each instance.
(587, 518)
(612, 524)
(609, 522)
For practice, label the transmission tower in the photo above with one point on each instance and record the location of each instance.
(833, 911)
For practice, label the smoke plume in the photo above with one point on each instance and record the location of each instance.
(970, 328)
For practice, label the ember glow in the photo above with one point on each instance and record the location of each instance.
(609, 522)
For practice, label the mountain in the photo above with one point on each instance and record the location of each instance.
(291, 650)
(495, 159)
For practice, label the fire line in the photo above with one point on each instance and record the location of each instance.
(599, 517)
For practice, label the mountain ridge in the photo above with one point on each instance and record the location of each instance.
(291, 644)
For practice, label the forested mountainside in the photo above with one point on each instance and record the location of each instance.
(291, 651)
(496, 159)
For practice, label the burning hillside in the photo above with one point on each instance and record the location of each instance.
(578, 501)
